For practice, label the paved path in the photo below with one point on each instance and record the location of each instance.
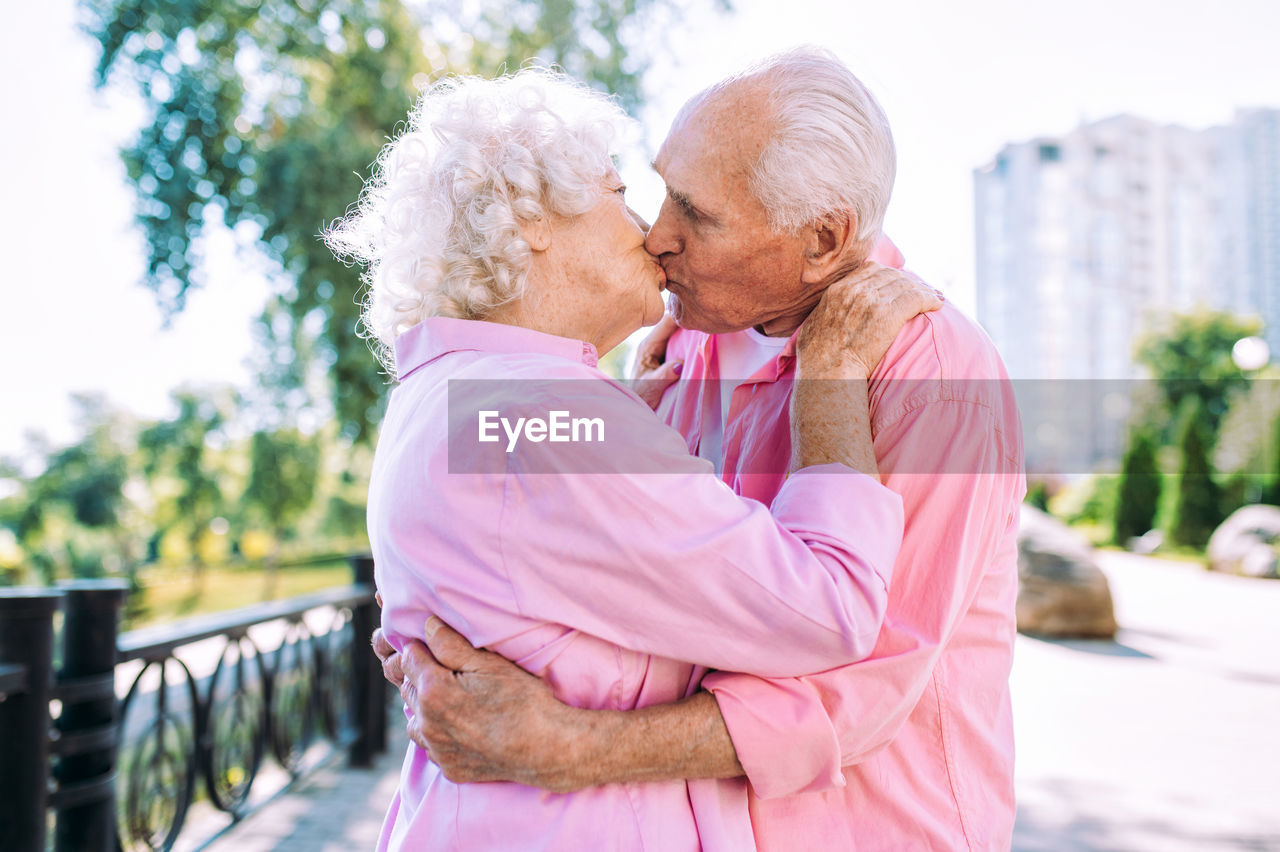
(335, 809)
(1166, 740)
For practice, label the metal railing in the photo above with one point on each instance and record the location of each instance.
(121, 773)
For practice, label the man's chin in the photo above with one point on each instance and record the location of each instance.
(685, 318)
(697, 321)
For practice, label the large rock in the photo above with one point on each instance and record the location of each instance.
(1061, 590)
(1246, 542)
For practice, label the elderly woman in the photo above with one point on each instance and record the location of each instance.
(502, 258)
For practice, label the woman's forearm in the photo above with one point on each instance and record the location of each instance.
(831, 424)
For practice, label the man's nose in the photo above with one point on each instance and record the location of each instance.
(661, 238)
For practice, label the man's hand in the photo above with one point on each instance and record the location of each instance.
(652, 375)
(482, 718)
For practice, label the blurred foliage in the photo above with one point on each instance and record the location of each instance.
(1088, 504)
(183, 492)
(168, 594)
(284, 466)
(1271, 492)
(1244, 489)
(263, 115)
(177, 461)
(616, 361)
(1248, 445)
(87, 477)
(1037, 494)
(1189, 355)
(1198, 509)
(1089, 500)
(1138, 492)
(1205, 409)
(68, 521)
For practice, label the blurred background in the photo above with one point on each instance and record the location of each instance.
(187, 404)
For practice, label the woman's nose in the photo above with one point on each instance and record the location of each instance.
(639, 220)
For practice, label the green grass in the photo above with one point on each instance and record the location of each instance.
(1180, 553)
(170, 594)
(1096, 533)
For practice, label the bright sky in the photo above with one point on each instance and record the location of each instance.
(958, 81)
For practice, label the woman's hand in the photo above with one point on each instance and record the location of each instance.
(857, 320)
(837, 349)
(652, 374)
(652, 351)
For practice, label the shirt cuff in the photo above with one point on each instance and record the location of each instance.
(846, 508)
(781, 732)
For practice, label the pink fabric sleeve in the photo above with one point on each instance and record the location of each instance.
(795, 735)
(675, 564)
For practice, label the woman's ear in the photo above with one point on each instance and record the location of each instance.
(827, 245)
(537, 234)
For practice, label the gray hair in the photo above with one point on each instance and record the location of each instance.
(438, 225)
(830, 149)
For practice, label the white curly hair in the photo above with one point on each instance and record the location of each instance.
(437, 226)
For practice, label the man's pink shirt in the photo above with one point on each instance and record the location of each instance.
(911, 748)
(619, 587)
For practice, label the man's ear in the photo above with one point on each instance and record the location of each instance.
(537, 234)
(828, 242)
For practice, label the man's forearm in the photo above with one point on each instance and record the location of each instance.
(687, 739)
(483, 718)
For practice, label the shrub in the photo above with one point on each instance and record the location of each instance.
(1138, 494)
(1198, 510)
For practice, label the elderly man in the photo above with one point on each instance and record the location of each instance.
(911, 748)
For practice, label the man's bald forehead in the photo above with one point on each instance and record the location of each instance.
(730, 119)
(747, 96)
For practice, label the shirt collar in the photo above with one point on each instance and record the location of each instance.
(771, 372)
(789, 351)
(436, 336)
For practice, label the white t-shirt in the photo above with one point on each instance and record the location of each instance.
(739, 356)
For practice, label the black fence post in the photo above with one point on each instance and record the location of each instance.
(26, 640)
(369, 689)
(88, 736)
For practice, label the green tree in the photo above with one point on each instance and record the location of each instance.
(1271, 490)
(263, 115)
(178, 449)
(284, 467)
(69, 518)
(1198, 509)
(1090, 501)
(1189, 355)
(1037, 495)
(1139, 489)
(1248, 443)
